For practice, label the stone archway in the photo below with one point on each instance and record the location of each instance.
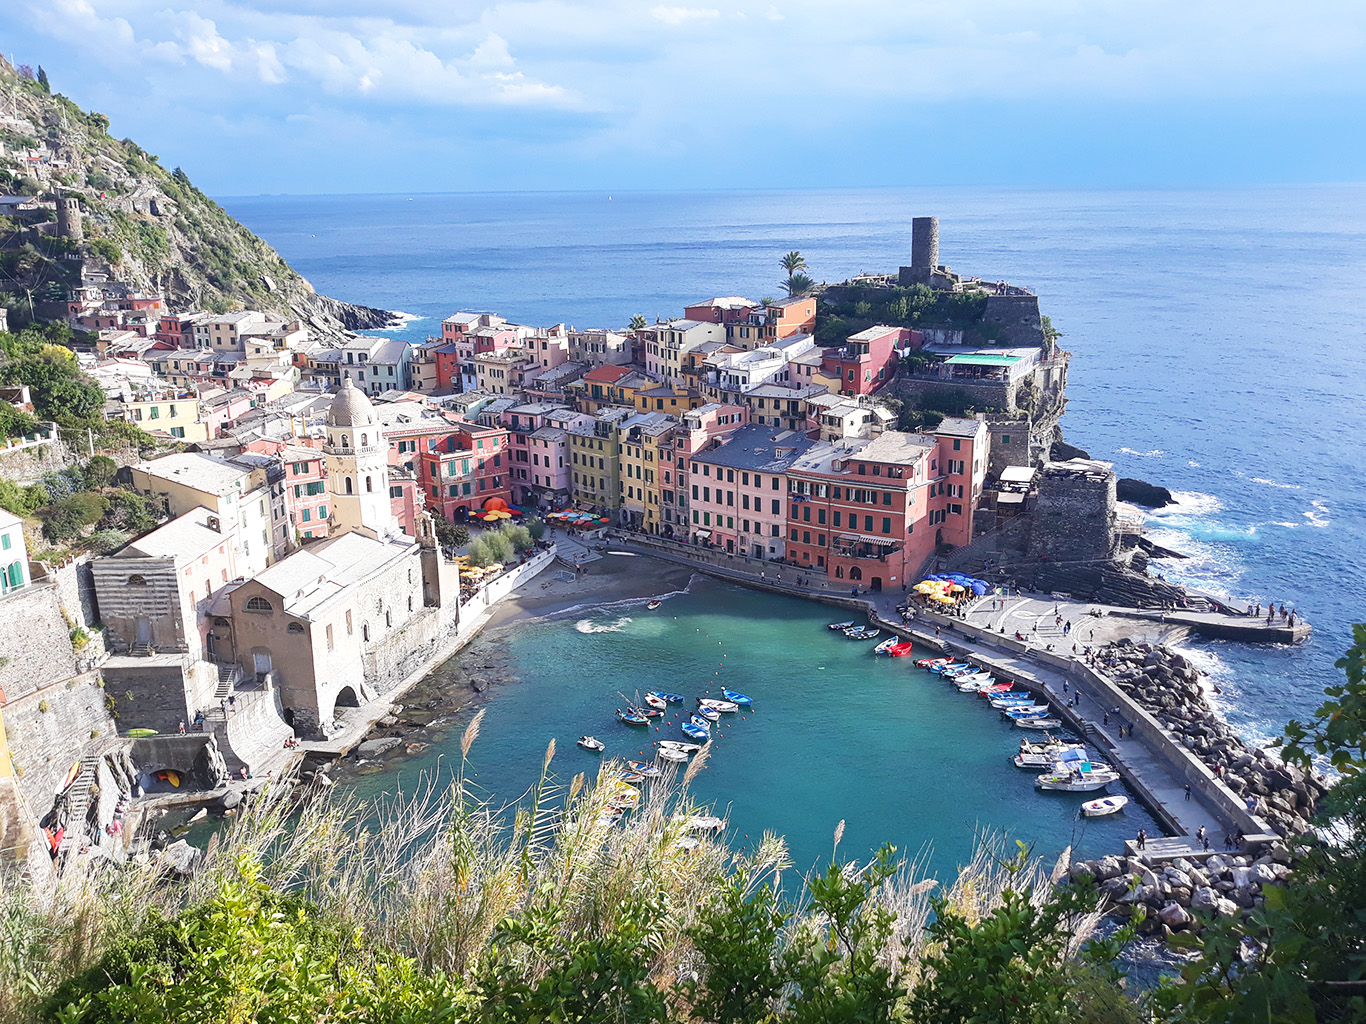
(855, 573)
(347, 698)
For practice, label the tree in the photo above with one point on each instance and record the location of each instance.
(536, 528)
(42, 80)
(798, 284)
(100, 471)
(793, 262)
(735, 937)
(66, 519)
(637, 323)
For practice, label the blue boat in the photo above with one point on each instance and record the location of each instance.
(710, 714)
(631, 718)
(672, 698)
(1017, 715)
(737, 698)
(696, 732)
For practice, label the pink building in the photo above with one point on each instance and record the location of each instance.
(698, 429)
(305, 485)
(737, 492)
(867, 360)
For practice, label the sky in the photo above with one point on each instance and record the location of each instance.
(344, 96)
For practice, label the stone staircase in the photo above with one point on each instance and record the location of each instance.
(78, 801)
(228, 676)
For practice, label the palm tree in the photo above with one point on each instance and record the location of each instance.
(637, 323)
(793, 262)
(798, 284)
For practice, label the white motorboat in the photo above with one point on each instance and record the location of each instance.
(592, 743)
(656, 701)
(975, 685)
(717, 705)
(1020, 710)
(680, 746)
(1011, 701)
(676, 756)
(841, 625)
(887, 645)
(1074, 774)
(1045, 755)
(1105, 805)
(710, 714)
(1039, 723)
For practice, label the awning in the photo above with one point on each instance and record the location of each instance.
(982, 359)
(885, 542)
(704, 534)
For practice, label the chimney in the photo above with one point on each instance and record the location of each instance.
(213, 524)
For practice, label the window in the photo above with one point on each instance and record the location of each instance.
(348, 487)
(322, 512)
(886, 524)
(306, 517)
(395, 491)
(868, 524)
(294, 627)
(258, 604)
(5, 542)
(1005, 439)
(957, 444)
(365, 632)
(329, 637)
(820, 516)
(777, 507)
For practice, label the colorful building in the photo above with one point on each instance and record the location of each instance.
(867, 360)
(642, 462)
(595, 460)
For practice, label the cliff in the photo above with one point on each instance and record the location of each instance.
(152, 227)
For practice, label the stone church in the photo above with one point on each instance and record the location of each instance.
(346, 619)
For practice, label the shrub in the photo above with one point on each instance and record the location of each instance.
(536, 528)
(100, 471)
(67, 518)
(518, 536)
(103, 542)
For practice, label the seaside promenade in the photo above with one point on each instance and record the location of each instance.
(1180, 791)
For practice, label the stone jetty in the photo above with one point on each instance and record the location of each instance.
(1167, 686)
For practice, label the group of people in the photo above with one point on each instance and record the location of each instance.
(1287, 614)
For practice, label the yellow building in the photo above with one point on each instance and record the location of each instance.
(595, 461)
(641, 469)
(673, 399)
(173, 411)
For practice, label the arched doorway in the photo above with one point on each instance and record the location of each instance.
(855, 573)
(347, 698)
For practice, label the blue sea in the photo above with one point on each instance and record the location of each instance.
(1217, 340)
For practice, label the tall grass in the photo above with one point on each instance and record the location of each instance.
(431, 875)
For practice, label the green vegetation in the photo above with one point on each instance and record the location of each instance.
(798, 282)
(500, 545)
(849, 308)
(445, 907)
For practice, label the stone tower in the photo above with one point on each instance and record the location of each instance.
(924, 246)
(69, 218)
(357, 466)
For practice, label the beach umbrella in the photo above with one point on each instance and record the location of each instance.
(979, 588)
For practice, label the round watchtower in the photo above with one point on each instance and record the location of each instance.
(69, 218)
(925, 244)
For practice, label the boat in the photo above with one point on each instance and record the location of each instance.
(1039, 723)
(645, 769)
(703, 823)
(1028, 711)
(710, 714)
(171, 776)
(1077, 776)
(997, 688)
(840, 625)
(737, 698)
(1005, 700)
(656, 701)
(696, 720)
(946, 666)
(886, 646)
(901, 650)
(645, 712)
(669, 754)
(592, 743)
(71, 775)
(931, 662)
(717, 705)
(696, 732)
(975, 685)
(626, 799)
(1039, 761)
(967, 671)
(630, 778)
(672, 698)
(653, 605)
(1105, 805)
(141, 733)
(682, 748)
(862, 633)
(631, 718)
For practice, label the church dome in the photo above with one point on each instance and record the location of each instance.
(350, 407)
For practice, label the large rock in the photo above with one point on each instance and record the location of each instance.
(1140, 492)
(1226, 908)
(1061, 451)
(181, 858)
(374, 748)
(1175, 916)
(1204, 898)
(1108, 867)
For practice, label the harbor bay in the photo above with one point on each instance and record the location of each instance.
(836, 733)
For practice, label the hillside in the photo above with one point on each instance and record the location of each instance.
(151, 225)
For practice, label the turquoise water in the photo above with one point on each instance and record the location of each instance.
(836, 732)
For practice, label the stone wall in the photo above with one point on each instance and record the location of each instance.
(27, 465)
(1018, 316)
(76, 590)
(148, 693)
(35, 641)
(1009, 441)
(983, 396)
(48, 729)
(1074, 518)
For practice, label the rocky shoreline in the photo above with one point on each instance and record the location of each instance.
(1225, 884)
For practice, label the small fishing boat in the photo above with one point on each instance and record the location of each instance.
(171, 776)
(710, 714)
(1028, 711)
(625, 800)
(1004, 700)
(954, 671)
(696, 732)
(862, 633)
(1105, 805)
(1038, 761)
(886, 646)
(645, 769)
(737, 698)
(1039, 723)
(840, 625)
(931, 662)
(682, 748)
(997, 688)
(669, 754)
(696, 720)
(1077, 776)
(672, 698)
(975, 685)
(630, 778)
(945, 666)
(653, 605)
(609, 817)
(645, 712)
(656, 701)
(717, 705)
(631, 718)
(592, 743)
(901, 650)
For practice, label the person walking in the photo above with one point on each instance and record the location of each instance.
(1142, 839)
(182, 727)
(1188, 790)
